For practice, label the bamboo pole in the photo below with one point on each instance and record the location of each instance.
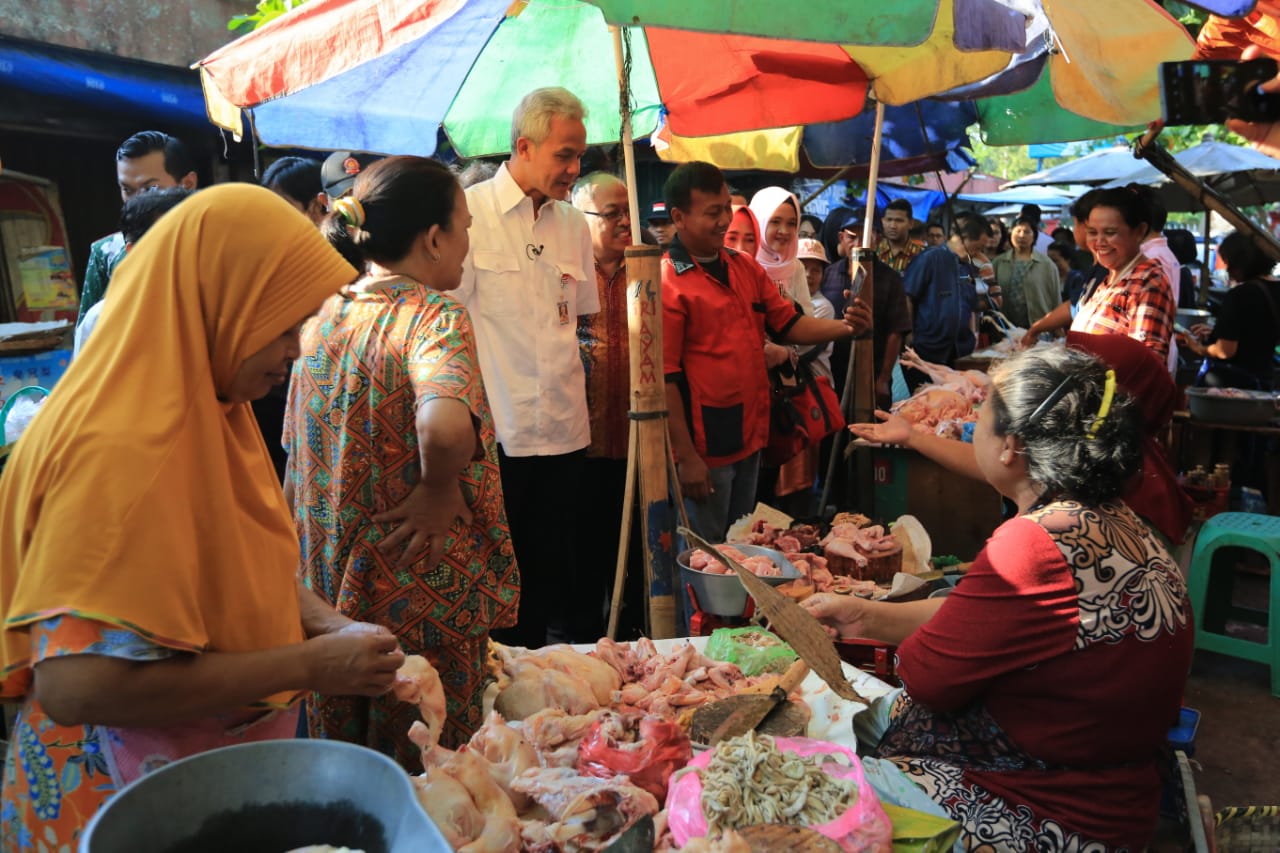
(648, 448)
(862, 356)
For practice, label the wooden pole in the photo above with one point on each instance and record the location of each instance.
(649, 444)
(624, 542)
(648, 450)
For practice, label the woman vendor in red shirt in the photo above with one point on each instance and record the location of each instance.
(1039, 693)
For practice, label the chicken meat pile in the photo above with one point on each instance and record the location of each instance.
(949, 402)
(501, 793)
(759, 565)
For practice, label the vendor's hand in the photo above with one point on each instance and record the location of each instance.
(353, 662)
(695, 478)
(1265, 136)
(857, 316)
(893, 429)
(775, 355)
(1030, 339)
(1190, 344)
(1202, 331)
(841, 615)
(425, 517)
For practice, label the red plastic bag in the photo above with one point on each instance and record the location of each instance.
(863, 828)
(646, 749)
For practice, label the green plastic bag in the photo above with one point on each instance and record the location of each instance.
(754, 650)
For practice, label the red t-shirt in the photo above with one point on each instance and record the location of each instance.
(713, 337)
(1074, 632)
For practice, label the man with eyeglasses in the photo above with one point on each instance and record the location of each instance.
(603, 341)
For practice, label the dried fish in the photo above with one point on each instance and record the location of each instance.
(751, 781)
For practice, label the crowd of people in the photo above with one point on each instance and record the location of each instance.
(376, 407)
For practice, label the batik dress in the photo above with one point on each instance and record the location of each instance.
(369, 360)
(56, 777)
(1038, 699)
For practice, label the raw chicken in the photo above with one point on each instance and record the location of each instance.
(507, 753)
(449, 806)
(972, 384)
(501, 833)
(418, 683)
(760, 565)
(584, 813)
(555, 735)
(535, 688)
(602, 678)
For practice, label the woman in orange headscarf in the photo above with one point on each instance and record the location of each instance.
(148, 564)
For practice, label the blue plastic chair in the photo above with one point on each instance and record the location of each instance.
(1211, 596)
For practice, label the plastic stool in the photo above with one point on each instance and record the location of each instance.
(1212, 601)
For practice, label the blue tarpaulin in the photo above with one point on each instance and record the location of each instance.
(101, 82)
(927, 127)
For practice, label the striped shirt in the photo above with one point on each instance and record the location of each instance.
(1136, 301)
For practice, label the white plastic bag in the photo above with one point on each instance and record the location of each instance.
(20, 416)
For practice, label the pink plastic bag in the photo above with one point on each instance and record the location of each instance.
(863, 828)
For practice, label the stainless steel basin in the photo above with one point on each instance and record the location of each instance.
(268, 797)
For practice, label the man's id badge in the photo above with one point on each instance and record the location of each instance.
(563, 307)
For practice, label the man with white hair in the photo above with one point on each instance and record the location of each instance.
(526, 281)
(604, 341)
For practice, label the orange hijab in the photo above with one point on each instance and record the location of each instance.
(136, 497)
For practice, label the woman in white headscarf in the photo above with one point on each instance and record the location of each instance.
(778, 213)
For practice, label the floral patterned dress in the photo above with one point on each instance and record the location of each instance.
(369, 360)
(1038, 699)
(56, 777)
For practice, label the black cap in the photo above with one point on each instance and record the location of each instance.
(855, 220)
(340, 169)
(657, 211)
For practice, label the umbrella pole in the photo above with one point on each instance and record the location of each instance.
(859, 383)
(647, 450)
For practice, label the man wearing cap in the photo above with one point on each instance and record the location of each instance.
(526, 281)
(659, 223)
(889, 309)
(338, 174)
(897, 249)
(719, 307)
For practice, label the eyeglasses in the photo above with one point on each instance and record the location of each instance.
(613, 217)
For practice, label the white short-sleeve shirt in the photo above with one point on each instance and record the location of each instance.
(525, 282)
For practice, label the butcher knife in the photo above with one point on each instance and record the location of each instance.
(745, 712)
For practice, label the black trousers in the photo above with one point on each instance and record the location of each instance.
(543, 497)
(603, 485)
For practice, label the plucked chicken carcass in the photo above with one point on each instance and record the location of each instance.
(971, 384)
(553, 677)
(418, 683)
(555, 735)
(579, 812)
(761, 565)
(507, 753)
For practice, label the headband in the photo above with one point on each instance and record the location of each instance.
(351, 211)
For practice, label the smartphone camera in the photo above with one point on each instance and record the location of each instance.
(1210, 91)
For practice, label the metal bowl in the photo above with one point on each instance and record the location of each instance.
(1248, 408)
(267, 797)
(1188, 317)
(724, 595)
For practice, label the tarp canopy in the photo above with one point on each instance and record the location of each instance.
(1042, 196)
(99, 82)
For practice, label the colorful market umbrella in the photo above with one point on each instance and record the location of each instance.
(377, 75)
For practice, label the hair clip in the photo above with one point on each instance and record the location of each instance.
(1052, 400)
(1108, 394)
(351, 211)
